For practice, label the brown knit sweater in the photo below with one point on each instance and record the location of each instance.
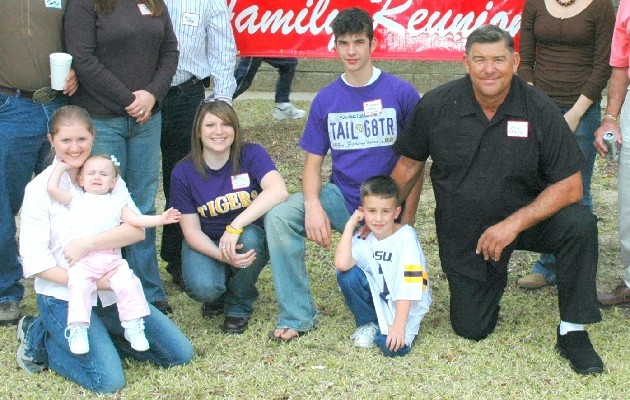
(567, 57)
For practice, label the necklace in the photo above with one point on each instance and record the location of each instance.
(565, 3)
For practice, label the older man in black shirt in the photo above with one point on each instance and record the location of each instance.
(506, 175)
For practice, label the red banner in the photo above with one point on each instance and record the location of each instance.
(404, 29)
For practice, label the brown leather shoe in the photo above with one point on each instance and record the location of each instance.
(533, 281)
(619, 297)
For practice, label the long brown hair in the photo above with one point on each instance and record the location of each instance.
(225, 113)
(156, 7)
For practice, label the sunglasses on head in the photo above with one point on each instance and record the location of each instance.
(211, 99)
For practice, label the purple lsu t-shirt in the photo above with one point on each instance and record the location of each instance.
(359, 125)
(222, 195)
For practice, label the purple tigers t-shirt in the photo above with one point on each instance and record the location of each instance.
(359, 125)
(222, 195)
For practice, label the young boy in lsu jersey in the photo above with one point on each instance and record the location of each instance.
(383, 277)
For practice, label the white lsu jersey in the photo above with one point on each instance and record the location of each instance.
(396, 270)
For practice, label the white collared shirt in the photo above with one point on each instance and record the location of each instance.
(206, 43)
(44, 228)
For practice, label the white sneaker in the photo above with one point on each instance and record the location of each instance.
(364, 335)
(77, 339)
(134, 333)
(287, 110)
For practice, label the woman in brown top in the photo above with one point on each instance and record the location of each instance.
(565, 49)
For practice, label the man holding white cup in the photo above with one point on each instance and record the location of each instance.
(59, 69)
(26, 104)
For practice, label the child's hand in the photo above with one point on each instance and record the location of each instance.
(62, 165)
(171, 216)
(356, 218)
(395, 338)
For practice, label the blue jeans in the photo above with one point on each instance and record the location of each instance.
(209, 280)
(178, 115)
(24, 150)
(137, 148)
(356, 290)
(248, 66)
(284, 225)
(585, 135)
(100, 370)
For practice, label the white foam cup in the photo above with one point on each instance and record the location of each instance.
(59, 69)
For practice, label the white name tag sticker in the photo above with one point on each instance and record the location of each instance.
(190, 19)
(240, 181)
(372, 108)
(53, 4)
(144, 10)
(517, 129)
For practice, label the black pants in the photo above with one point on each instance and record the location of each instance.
(571, 235)
(178, 114)
(248, 66)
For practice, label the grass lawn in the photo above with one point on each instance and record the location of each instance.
(517, 361)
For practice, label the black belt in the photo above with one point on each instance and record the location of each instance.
(184, 86)
(41, 96)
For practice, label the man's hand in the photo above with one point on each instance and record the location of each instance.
(607, 125)
(495, 239)
(317, 225)
(72, 83)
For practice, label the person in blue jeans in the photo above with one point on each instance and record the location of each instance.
(223, 190)
(584, 134)
(572, 68)
(46, 256)
(377, 106)
(383, 276)
(26, 105)
(246, 70)
(123, 84)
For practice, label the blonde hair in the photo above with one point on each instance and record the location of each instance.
(70, 115)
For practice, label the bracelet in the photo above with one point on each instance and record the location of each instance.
(231, 229)
(610, 116)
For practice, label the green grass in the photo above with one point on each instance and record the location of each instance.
(517, 361)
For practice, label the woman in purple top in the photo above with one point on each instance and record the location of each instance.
(223, 189)
(125, 55)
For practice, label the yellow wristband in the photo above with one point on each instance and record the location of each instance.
(233, 230)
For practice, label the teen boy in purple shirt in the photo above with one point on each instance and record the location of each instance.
(356, 118)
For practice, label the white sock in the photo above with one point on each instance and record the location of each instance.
(282, 106)
(566, 327)
(79, 325)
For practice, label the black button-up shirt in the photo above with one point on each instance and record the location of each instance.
(483, 171)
